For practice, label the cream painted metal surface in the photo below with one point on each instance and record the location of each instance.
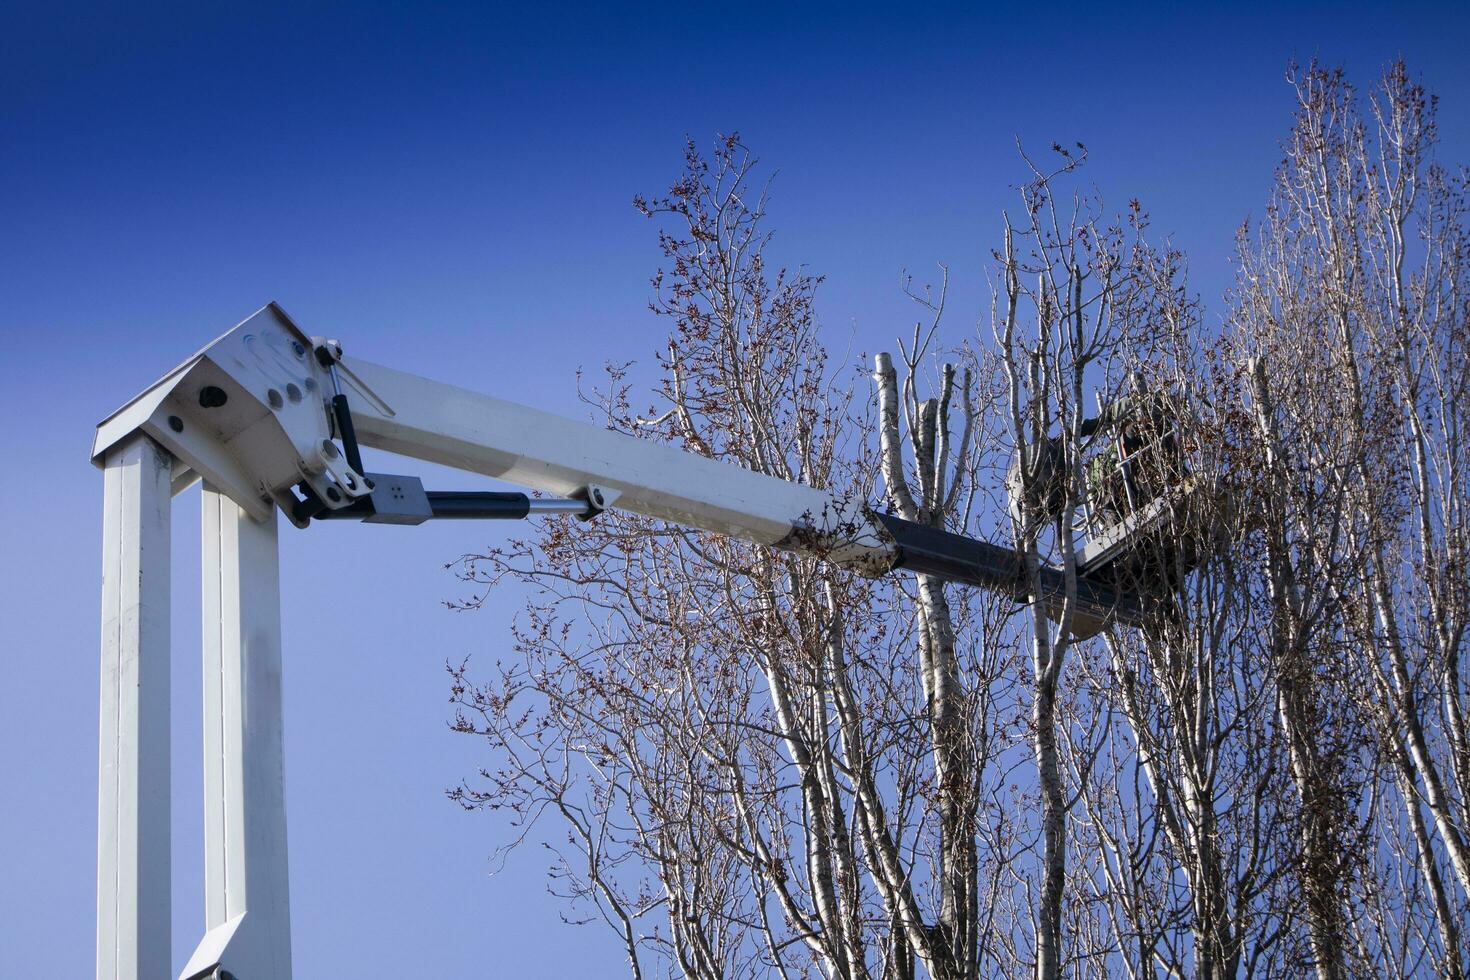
(133, 831)
(412, 416)
(247, 909)
(272, 433)
(269, 431)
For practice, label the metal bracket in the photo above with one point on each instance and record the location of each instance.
(248, 414)
(397, 500)
(598, 498)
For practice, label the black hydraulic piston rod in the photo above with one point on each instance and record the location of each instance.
(326, 356)
(483, 505)
(343, 416)
(494, 505)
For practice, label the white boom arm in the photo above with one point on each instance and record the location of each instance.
(268, 433)
(252, 416)
(408, 415)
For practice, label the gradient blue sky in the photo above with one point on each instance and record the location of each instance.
(447, 188)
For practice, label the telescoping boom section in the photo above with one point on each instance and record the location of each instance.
(270, 419)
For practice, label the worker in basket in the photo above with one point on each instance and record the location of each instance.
(1140, 461)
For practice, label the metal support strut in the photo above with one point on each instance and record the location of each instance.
(247, 911)
(133, 829)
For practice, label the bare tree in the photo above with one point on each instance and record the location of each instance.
(751, 762)
(1176, 767)
(1353, 297)
(733, 734)
(1062, 317)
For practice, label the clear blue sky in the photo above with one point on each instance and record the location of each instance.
(447, 188)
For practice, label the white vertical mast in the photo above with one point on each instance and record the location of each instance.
(247, 910)
(133, 832)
